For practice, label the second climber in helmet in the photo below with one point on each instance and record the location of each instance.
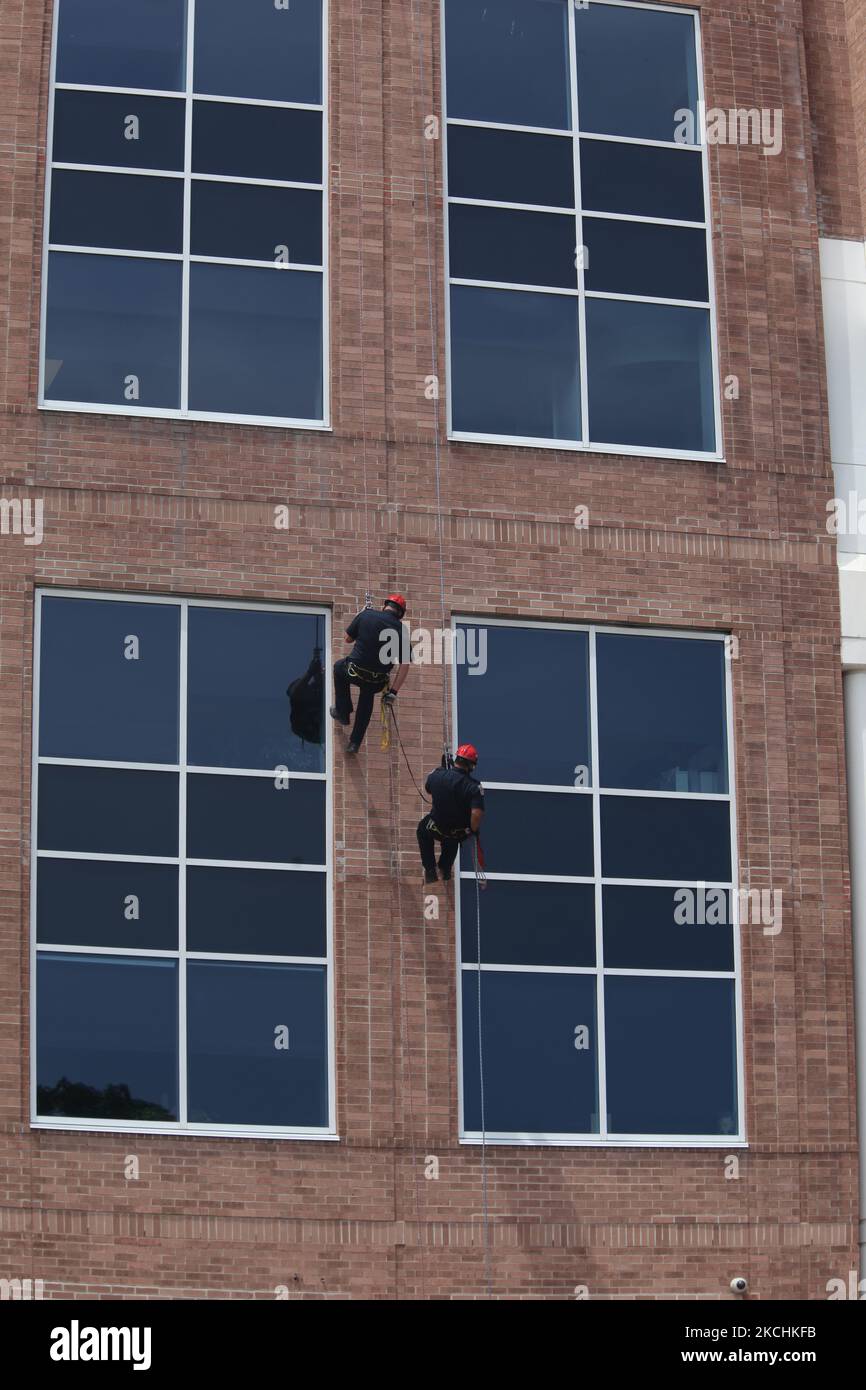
(376, 634)
(456, 813)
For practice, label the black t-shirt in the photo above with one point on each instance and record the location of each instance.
(455, 796)
(369, 630)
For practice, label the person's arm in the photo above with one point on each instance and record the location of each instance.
(352, 629)
(475, 821)
(398, 677)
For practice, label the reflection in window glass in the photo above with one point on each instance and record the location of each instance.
(518, 661)
(658, 904)
(122, 43)
(640, 375)
(636, 69)
(508, 62)
(92, 902)
(240, 666)
(671, 1056)
(100, 810)
(237, 1014)
(650, 375)
(515, 368)
(255, 342)
(108, 685)
(107, 1038)
(259, 50)
(662, 713)
(535, 1080)
(113, 326)
(125, 683)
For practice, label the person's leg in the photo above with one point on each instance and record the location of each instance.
(427, 846)
(342, 709)
(448, 855)
(366, 695)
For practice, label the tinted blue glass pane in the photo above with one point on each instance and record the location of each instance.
(642, 258)
(82, 902)
(514, 363)
(535, 1080)
(642, 179)
(110, 319)
(251, 818)
(106, 811)
(508, 62)
(255, 342)
(93, 701)
(667, 929)
(687, 841)
(141, 214)
(528, 923)
(521, 248)
(257, 142)
(650, 375)
(93, 128)
(255, 912)
(636, 70)
(661, 714)
(254, 223)
(254, 49)
(122, 43)
(535, 833)
(671, 1056)
(510, 166)
(240, 665)
(107, 1037)
(236, 1073)
(520, 660)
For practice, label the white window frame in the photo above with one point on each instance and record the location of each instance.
(186, 259)
(181, 1126)
(604, 1139)
(585, 444)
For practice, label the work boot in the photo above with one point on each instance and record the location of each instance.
(445, 875)
(353, 747)
(428, 877)
(334, 715)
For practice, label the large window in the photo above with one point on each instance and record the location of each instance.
(185, 216)
(604, 1004)
(180, 903)
(580, 299)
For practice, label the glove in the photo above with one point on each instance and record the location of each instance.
(389, 697)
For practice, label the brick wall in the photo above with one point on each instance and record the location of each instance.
(164, 507)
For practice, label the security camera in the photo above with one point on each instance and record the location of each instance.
(739, 1285)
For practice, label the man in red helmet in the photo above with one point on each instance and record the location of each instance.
(373, 630)
(456, 813)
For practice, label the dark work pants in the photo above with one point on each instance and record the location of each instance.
(427, 843)
(367, 692)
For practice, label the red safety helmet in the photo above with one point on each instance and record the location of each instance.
(468, 752)
(398, 600)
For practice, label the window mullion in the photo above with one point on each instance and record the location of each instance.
(597, 867)
(187, 201)
(579, 257)
(181, 850)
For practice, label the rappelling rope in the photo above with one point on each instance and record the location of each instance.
(446, 721)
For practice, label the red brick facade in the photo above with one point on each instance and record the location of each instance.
(154, 506)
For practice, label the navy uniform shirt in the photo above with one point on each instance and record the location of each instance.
(455, 796)
(369, 629)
